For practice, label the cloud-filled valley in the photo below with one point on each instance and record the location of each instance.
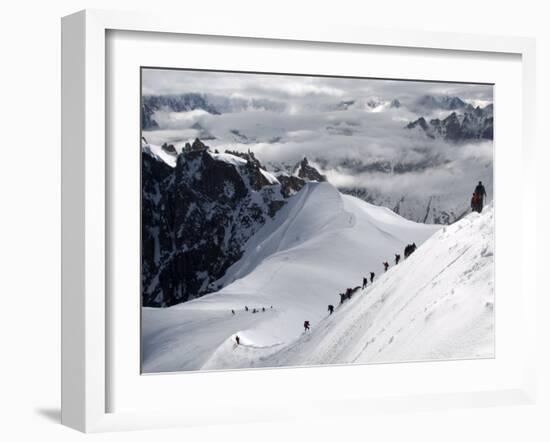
(353, 130)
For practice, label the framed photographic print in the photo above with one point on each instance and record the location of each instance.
(288, 239)
(311, 214)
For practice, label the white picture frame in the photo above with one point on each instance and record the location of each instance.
(86, 353)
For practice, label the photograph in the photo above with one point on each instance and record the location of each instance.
(292, 220)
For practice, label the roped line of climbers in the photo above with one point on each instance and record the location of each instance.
(410, 248)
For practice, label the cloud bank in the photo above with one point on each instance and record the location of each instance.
(353, 129)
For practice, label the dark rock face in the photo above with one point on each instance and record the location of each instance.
(421, 122)
(290, 184)
(450, 128)
(157, 222)
(308, 172)
(196, 219)
(197, 145)
(473, 124)
(169, 148)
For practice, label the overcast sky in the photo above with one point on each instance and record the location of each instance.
(301, 88)
(323, 118)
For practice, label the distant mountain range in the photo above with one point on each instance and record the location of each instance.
(443, 102)
(212, 104)
(471, 124)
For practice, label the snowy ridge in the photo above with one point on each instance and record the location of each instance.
(160, 154)
(228, 158)
(438, 304)
(317, 245)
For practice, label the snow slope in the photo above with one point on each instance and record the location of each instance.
(438, 304)
(318, 244)
(159, 153)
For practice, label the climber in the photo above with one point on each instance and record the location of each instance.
(476, 203)
(409, 249)
(386, 265)
(306, 326)
(371, 277)
(364, 282)
(330, 309)
(397, 258)
(481, 193)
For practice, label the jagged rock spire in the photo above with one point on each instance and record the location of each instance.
(308, 172)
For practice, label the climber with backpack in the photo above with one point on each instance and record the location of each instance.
(481, 193)
(475, 203)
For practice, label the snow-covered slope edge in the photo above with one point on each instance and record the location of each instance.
(438, 304)
(317, 245)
